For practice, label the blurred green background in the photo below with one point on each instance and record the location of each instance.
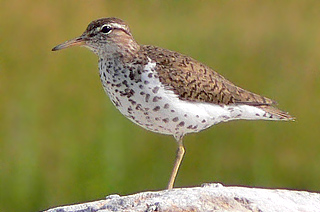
(63, 142)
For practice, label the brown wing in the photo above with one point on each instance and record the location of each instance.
(194, 81)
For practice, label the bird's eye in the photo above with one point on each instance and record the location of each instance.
(106, 29)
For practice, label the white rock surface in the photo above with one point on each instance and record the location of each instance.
(209, 197)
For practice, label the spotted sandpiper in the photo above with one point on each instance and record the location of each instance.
(164, 91)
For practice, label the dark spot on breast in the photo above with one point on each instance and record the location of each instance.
(138, 107)
(166, 106)
(124, 82)
(230, 109)
(181, 124)
(175, 119)
(150, 75)
(166, 120)
(116, 103)
(156, 98)
(131, 75)
(132, 102)
(147, 97)
(127, 92)
(155, 89)
(157, 108)
(146, 82)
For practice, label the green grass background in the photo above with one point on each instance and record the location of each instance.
(63, 142)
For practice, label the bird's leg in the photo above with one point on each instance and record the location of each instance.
(179, 157)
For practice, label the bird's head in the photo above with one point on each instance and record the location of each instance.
(105, 37)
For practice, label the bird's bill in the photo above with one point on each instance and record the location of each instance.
(79, 41)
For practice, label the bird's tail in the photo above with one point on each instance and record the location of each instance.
(275, 113)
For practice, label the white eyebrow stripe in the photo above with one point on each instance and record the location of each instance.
(117, 25)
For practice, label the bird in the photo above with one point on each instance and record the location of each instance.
(164, 91)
